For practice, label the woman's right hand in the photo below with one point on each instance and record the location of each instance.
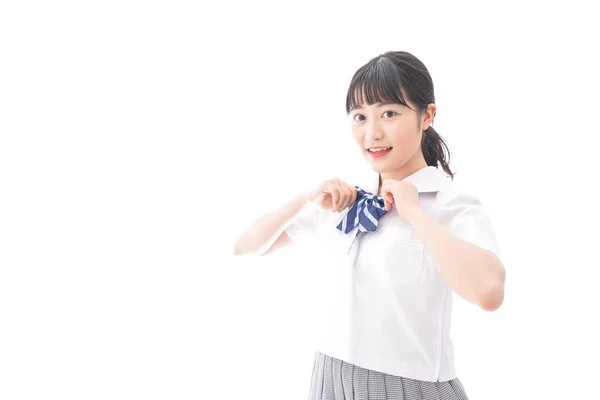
(333, 194)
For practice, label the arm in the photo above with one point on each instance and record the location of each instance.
(267, 233)
(474, 273)
(282, 241)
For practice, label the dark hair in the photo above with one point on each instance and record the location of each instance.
(390, 77)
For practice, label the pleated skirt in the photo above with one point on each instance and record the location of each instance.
(334, 379)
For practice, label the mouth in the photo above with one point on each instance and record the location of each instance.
(379, 151)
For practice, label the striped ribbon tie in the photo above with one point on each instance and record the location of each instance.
(364, 213)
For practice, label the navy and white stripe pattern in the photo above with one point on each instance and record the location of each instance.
(334, 379)
(364, 213)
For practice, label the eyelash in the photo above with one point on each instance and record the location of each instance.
(393, 112)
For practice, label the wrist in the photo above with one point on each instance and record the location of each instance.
(416, 217)
(303, 199)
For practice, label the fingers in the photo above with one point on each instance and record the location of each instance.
(345, 195)
(388, 198)
(342, 194)
(388, 204)
(353, 195)
(335, 194)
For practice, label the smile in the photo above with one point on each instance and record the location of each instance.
(379, 152)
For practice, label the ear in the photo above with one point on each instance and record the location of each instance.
(428, 115)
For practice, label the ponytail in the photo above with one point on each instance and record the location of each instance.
(435, 150)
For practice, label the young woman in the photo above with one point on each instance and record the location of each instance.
(397, 246)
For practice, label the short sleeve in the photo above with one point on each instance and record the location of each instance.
(303, 227)
(466, 217)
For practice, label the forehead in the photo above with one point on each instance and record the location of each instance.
(377, 105)
(376, 95)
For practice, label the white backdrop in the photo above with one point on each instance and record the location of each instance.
(139, 139)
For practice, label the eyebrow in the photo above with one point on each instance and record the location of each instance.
(378, 105)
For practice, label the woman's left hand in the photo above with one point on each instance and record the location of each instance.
(402, 195)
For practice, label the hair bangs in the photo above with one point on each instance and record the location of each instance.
(376, 82)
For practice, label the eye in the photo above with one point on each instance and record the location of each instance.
(390, 112)
(356, 116)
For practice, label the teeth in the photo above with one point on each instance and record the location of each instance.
(378, 150)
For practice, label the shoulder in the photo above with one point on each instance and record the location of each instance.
(454, 199)
(455, 193)
(461, 211)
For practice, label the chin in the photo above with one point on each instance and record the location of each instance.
(379, 166)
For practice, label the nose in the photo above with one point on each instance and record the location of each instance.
(373, 130)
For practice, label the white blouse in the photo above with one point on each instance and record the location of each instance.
(389, 308)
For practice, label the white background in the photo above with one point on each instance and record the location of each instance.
(139, 139)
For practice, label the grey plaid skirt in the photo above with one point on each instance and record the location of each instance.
(334, 379)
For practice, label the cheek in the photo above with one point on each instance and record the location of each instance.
(358, 138)
(405, 144)
(405, 138)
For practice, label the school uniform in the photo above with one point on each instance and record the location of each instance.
(385, 329)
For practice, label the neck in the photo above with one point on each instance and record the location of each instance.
(406, 170)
